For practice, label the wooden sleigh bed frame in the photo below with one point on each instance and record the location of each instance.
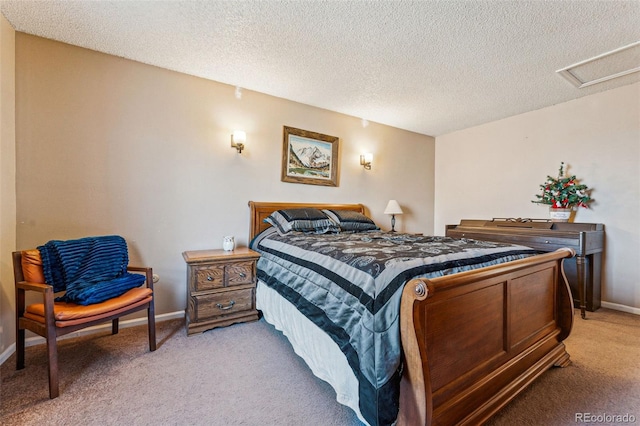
(474, 340)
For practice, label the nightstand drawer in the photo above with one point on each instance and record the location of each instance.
(223, 303)
(208, 277)
(239, 273)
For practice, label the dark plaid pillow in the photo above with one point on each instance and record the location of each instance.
(349, 220)
(306, 220)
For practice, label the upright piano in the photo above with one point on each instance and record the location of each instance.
(586, 239)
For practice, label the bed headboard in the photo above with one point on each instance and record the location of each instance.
(260, 210)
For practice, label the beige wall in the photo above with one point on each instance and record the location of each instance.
(106, 145)
(7, 183)
(494, 170)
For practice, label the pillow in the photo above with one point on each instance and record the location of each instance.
(349, 220)
(304, 220)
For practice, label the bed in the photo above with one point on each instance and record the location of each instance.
(468, 341)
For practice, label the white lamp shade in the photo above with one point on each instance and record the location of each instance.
(239, 136)
(393, 208)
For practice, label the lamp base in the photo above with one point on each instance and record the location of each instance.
(393, 223)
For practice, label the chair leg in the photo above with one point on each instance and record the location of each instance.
(52, 352)
(151, 323)
(115, 327)
(20, 349)
(20, 307)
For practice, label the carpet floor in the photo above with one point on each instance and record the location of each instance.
(247, 374)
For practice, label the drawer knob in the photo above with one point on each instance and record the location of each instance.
(546, 241)
(209, 278)
(242, 274)
(226, 308)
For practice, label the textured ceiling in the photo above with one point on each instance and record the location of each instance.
(432, 67)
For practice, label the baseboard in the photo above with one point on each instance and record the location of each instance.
(38, 340)
(618, 307)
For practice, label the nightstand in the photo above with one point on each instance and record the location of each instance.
(221, 288)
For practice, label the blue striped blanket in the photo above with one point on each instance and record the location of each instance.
(90, 270)
(350, 286)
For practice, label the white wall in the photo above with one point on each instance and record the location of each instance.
(107, 145)
(494, 170)
(7, 183)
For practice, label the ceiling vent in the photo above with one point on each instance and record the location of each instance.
(616, 63)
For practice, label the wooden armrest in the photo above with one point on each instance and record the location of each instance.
(41, 288)
(138, 268)
(45, 290)
(148, 272)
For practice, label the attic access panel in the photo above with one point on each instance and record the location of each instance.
(607, 66)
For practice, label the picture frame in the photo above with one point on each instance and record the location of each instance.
(309, 157)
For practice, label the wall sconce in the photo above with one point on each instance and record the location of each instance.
(365, 160)
(238, 138)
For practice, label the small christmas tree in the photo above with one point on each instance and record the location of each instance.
(564, 192)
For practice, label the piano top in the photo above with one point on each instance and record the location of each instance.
(526, 223)
(541, 234)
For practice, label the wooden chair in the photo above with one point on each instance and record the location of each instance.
(51, 319)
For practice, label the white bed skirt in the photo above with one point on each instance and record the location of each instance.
(315, 347)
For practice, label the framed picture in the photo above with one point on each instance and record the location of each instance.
(309, 157)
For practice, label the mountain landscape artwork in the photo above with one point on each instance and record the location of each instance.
(309, 157)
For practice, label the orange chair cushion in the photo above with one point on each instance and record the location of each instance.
(63, 311)
(32, 266)
(96, 318)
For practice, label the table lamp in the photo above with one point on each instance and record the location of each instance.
(393, 208)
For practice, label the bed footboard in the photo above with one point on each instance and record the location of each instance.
(473, 340)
